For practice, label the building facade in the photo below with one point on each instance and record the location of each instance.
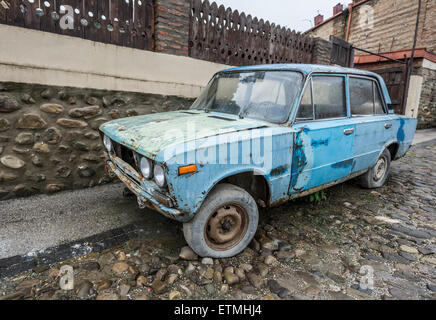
(388, 27)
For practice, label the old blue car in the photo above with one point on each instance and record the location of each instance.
(256, 137)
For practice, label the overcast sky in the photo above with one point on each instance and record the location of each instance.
(294, 14)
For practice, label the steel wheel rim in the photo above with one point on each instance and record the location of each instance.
(226, 227)
(380, 169)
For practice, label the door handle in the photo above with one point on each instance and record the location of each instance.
(348, 131)
(388, 125)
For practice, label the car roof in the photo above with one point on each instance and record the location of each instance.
(304, 68)
(315, 68)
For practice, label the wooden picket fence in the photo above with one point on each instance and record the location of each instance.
(216, 34)
(224, 36)
(127, 23)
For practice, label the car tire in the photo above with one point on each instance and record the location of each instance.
(225, 224)
(376, 176)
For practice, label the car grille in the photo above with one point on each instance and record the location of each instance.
(125, 154)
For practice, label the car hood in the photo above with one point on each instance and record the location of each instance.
(150, 134)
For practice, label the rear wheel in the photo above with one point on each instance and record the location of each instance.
(378, 174)
(225, 223)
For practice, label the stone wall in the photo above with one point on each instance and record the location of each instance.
(394, 24)
(427, 106)
(336, 27)
(49, 139)
(385, 25)
(322, 51)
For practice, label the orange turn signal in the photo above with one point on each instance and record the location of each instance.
(187, 169)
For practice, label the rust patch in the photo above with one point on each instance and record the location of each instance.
(278, 171)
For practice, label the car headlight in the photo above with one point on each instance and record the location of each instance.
(146, 168)
(107, 143)
(159, 176)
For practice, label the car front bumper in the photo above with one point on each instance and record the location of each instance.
(146, 195)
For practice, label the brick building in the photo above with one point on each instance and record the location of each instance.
(388, 27)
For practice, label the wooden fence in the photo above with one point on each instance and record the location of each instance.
(212, 32)
(127, 23)
(224, 36)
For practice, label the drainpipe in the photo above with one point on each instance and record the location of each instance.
(350, 14)
(410, 62)
(416, 31)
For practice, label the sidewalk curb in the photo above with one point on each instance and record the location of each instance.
(96, 243)
(424, 144)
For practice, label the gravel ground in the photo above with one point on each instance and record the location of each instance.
(357, 244)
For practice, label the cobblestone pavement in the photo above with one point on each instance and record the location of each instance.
(357, 244)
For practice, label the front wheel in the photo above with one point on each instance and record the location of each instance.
(378, 174)
(225, 224)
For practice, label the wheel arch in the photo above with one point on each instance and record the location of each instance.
(252, 181)
(393, 148)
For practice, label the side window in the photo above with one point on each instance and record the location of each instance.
(378, 102)
(365, 97)
(329, 97)
(305, 111)
(361, 97)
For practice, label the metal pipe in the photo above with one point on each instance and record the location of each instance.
(379, 55)
(350, 14)
(416, 32)
(410, 62)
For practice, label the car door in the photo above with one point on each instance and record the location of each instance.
(324, 135)
(372, 123)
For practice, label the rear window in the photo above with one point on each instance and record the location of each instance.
(365, 97)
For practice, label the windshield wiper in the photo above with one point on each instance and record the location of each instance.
(244, 111)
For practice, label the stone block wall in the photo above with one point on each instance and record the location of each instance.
(322, 51)
(427, 106)
(385, 25)
(389, 25)
(49, 138)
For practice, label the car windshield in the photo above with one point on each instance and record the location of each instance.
(264, 95)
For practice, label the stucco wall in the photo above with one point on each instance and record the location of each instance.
(32, 56)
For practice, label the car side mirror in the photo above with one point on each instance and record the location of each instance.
(391, 108)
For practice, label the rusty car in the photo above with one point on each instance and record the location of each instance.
(257, 136)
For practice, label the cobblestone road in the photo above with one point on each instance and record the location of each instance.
(358, 244)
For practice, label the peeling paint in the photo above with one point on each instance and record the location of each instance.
(153, 133)
(306, 157)
(400, 134)
(343, 164)
(322, 142)
(279, 170)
